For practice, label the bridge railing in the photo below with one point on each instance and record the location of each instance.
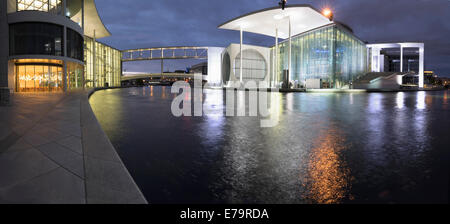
(163, 53)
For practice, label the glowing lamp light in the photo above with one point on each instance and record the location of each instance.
(328, 13)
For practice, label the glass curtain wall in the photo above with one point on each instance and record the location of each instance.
(75, 73)
(35, 38)
(74, 8)
(74, 45)
(330, 54)
(106, 70)
(39, 78)
(351, 58)
(51, 6)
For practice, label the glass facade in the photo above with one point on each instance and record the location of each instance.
(74, 45)
(35, 38)
(51, 6)
(106, 70)
(32, 76)
(75, 74)
(73, 10)
(331, 54)
(102, 63)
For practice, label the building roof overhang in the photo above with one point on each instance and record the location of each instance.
(265, 22)
(92, 21)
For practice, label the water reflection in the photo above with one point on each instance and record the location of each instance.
(375, 101)
(327, 148)
(421, 100)
(163, 95)
(400, 100)
(445, 99)
(328, 177)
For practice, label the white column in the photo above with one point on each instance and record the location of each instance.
(421, 65)
(401, 58)
(240, 59)
(275, 74)
(290, 52)
(376, 60)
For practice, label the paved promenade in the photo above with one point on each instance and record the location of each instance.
(52, 150)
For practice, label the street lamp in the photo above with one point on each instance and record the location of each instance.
(328, 13)
(282, 3)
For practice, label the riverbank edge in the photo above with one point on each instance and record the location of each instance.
(329, 90)
(109, 181)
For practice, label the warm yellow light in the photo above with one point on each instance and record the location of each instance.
(327, 12)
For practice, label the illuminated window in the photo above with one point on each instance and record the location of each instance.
(103, 69)
(39, 78)
(52, 6)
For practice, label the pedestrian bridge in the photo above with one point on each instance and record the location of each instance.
(164, 53)
(158, 76)
(213, 55)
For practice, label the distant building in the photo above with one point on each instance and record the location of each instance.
(445, 81)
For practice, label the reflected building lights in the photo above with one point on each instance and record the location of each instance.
(213, 105)
(421, 100)
(163, 93)
(290, 102)
(445, 100)
(328, 178)
(400, 100)
(375, 102)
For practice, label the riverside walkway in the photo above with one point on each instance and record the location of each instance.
(53, 151)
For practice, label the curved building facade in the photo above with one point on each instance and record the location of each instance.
(44, 46)
(314, 49)
(315, 52)
(255, 64)
(331, 54)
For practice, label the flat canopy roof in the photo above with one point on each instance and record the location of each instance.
(303, 18)
(92, 21)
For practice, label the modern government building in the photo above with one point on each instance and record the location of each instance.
(51, 45)
(316, 52)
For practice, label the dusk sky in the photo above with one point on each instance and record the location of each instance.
(152, 23)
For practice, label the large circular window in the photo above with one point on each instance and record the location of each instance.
(253, 65)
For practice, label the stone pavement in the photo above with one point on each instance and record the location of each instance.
(53, 151)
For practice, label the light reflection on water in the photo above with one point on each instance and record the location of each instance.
(328, 178)
(327, 148)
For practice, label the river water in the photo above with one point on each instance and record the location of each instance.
(327, 148)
